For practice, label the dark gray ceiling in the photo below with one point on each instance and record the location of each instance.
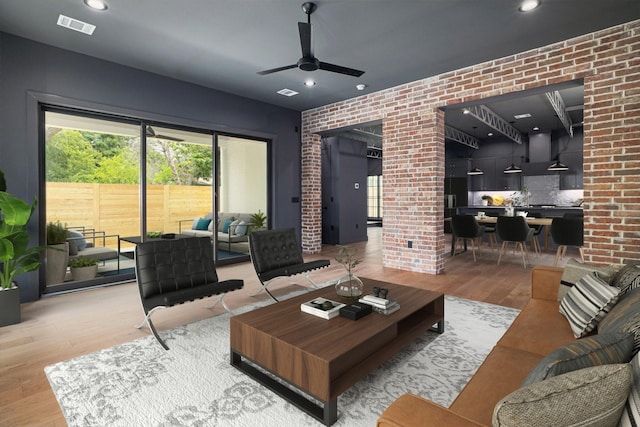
(221, 44)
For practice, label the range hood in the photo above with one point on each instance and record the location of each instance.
(539, 155)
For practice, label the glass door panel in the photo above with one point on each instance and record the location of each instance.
(179, 173)
(91, 173)
(242, 193)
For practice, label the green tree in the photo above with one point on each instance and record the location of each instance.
(119, 169)
(70, 158)
(107, 144)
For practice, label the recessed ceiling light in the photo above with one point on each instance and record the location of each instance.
(528, 5)
(309, 83)
(536, 128)
(522, 116)
(96, 4)
(490, 134)
(466, 111)
(287, 92)
(361, 86)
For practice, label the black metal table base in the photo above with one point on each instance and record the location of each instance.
(327, 413)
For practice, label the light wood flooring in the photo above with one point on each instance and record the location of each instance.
(61, 327)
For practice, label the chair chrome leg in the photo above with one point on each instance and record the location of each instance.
(147, 320)
(220, 301)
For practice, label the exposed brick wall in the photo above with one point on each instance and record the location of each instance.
(413, 141)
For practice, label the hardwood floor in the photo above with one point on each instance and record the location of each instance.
(60, 327)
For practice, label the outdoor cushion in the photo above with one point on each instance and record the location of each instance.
(241, 228)
(589, 351)
(587, 303)
(202, 224)
(575, 270)
(78, 239)
(574, 398)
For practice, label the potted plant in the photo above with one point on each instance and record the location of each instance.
(57, 253)
(485, 199)
(15, 256)
(83, 268)
(349, 286)
(258, 221)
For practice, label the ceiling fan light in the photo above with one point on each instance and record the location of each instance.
(513, 169)
(558, 166)
(475, 171)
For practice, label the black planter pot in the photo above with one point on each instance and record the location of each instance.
(9, 306)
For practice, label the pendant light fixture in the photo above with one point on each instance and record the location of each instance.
(513, 168)
(557, 165)
(474, 171)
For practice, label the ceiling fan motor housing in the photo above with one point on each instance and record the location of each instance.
(308, 64)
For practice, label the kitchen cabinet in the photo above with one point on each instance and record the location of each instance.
(456, 168)
(506, 181)
(573, 178)
(494, 178)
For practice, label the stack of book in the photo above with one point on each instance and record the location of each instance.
(380, 305)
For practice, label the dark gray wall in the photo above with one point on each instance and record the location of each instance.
(29, 69)
(344, 208)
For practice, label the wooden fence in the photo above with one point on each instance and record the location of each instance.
(115, 208)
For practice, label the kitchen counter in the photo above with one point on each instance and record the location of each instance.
(546, 211)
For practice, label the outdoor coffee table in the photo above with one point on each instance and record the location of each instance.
(323, 358)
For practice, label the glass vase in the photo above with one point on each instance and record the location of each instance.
(349, 287)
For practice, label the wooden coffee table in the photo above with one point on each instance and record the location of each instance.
(323, 358)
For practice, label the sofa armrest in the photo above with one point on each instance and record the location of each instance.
(410, 410)
(545, 282)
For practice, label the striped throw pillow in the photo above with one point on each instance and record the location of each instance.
(631, 413)
(591, 351)
(587, 303)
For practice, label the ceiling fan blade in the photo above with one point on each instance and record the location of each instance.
(150, 131)
(305, 39)
(152, 134)
(275, 70)
(338, 69)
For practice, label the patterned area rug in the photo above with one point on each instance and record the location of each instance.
(193, 384)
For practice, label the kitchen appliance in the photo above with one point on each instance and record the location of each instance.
(449, 201)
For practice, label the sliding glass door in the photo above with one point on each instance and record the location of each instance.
(94, 192)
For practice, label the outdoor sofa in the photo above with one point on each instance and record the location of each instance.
(569, 381)
(231, 227)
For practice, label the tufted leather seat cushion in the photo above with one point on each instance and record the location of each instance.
(277, 253)
(171, 272)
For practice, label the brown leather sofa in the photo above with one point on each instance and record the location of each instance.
(537, 331)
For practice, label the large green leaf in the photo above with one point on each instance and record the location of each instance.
(14, 210)
(6, 250)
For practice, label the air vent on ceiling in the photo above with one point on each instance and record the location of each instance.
(287, 92)
(75, 25)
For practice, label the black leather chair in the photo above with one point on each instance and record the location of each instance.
(514, 229)
(276, 253)
(171, 272)
(567, 232)
(465, 228)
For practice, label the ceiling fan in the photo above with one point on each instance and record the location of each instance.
(308, 62)
(152, 134)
